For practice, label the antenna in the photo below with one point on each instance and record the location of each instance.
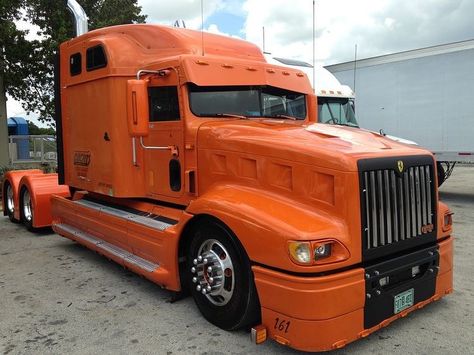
(263, 35)
(202, 27)
(355, 67)
(314, 45)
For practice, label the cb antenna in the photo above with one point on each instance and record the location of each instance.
(263, 38)
(314, 45)
(355, 66)
(202, 27)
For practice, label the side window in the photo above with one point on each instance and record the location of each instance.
(75, 64)
(96, 58)
(163, 101)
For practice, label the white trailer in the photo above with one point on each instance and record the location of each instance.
(423, 95)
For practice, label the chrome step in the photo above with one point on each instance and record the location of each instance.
(105, 246)
(151, 221)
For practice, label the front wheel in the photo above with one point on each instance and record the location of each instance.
(220, 278)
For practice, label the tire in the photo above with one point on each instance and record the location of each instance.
(26, 209)
(9, 202)
(232, 303)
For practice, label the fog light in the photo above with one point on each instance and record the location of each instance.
(322, 251)
(384, 281)
(300, 252)
(415, 270)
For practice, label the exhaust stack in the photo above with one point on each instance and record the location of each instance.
(80, 17)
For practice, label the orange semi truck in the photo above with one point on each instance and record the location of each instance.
(187, 158)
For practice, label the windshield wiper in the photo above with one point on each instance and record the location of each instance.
(282, 116)
(231, 115)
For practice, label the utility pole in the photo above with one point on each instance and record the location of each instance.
(4, 158)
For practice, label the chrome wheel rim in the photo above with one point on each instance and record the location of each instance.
(213, 272)
(10, 203)
(27, 210)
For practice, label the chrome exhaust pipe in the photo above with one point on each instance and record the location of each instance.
(80, 17)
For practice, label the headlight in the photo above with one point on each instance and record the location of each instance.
(300, 252)
(317, 252)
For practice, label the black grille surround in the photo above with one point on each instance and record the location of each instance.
(397, 204)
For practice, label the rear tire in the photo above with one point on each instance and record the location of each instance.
(230, 298)
(26, 209)
(9, 202)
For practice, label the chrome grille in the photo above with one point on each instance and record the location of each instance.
(395, 205)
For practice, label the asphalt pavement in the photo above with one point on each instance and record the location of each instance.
(57, 297)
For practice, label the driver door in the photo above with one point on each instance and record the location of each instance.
(164, 167)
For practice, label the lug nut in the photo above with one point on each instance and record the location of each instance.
(199, 258)
(193, 270)
(367, 276)
(198, 288)
(209, 269)
(208, 288)
(378, 292)
(195, 279)
(195, 261)
(205, 261)
(211, 280)
(203, 291)
(369, 296)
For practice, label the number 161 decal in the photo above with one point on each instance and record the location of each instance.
(282, 325)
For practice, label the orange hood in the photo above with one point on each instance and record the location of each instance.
(328, 146)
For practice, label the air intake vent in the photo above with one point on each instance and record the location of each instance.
(397, 203)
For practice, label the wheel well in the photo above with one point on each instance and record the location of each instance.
(187, 234)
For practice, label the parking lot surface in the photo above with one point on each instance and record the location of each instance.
(57, 297)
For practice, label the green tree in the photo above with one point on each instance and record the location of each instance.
(33, 129)
(33, 84)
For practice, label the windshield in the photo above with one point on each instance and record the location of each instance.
(335, 110)
(246, 102)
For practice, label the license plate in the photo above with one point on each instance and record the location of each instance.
(403, 300)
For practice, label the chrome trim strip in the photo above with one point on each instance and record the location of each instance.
(381, 207)
(143, 220)
(108, 247)
(412, 203)
(418, 200)
(374, 210)
(429, 179)
(393, 192)
(367, 210)
(407, 205)
(389, 206)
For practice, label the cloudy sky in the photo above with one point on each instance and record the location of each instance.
(376, 26)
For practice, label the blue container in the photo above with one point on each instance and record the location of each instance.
(18, 126)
